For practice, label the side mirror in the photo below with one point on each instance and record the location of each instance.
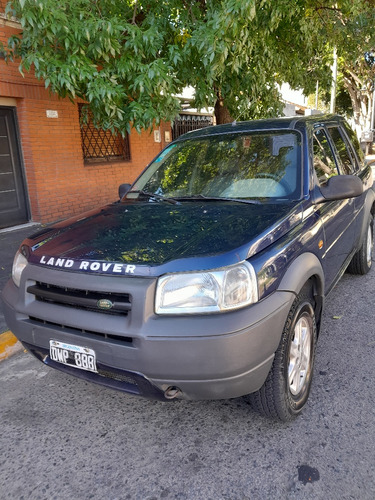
(123, 189)
(339, 187)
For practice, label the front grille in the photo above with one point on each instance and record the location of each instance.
(109, 337)
(88, 300)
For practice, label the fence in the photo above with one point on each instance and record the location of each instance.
(185, 123)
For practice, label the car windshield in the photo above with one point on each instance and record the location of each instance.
(251, 166)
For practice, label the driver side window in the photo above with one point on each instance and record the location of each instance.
(324, 161)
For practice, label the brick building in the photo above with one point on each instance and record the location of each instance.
(49, 170)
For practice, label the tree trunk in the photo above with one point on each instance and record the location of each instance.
(222, 114)
(361, 98)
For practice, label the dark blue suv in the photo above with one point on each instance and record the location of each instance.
(207, 279)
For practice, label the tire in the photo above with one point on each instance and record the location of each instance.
(287, 387)
(362, 260)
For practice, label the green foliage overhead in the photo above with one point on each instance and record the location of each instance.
(129, 58)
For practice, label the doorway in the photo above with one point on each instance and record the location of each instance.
(13, 201)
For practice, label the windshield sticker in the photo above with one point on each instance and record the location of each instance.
(86, 265)
(164, 153)
(283, 141)
(41, 243)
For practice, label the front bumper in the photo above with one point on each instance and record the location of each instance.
(216, 356)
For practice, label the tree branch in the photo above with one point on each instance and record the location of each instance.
(332, 9)
(135, 11)
(353, 76)
(98, 8)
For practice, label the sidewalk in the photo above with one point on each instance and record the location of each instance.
(10, 240)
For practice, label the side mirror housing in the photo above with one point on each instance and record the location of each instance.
(123, 189)
(339, 187)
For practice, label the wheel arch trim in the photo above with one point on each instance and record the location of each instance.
(303, 268)
(369, 210)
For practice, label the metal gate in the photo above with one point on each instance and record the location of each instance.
(187, 122)
(13, 204)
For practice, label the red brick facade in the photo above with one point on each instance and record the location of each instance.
(58, 182)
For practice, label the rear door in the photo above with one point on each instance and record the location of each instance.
(13, 203)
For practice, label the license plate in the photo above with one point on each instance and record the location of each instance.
(73, 355)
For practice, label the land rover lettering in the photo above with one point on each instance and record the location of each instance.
(94, 266)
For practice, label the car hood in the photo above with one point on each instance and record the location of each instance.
(150, 238)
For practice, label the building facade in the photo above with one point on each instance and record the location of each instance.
(50, 169)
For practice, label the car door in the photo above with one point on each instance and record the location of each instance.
(349, 165)
(362, 170)
(336, 216)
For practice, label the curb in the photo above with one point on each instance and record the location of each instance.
(9, 345)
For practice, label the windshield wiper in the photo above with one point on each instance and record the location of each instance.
(155, 196)
(200, 197)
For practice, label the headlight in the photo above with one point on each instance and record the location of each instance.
(19, 265)
(207, 291)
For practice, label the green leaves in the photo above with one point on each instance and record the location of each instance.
(129, 59)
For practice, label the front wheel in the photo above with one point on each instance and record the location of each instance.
(287, 387)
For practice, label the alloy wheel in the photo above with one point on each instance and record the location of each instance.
(300, 355)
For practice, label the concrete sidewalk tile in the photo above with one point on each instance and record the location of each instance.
(8, 345)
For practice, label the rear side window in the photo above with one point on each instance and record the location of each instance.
(324, 161)
(353, 137)
(346, 159)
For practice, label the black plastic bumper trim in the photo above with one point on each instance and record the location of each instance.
(121, 380)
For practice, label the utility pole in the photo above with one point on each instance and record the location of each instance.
(317, 95)
(372, 122)
(334, 81)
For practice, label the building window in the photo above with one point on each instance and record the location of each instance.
(100, 145)
(187, 122)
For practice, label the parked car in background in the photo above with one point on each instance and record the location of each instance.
(208, 278)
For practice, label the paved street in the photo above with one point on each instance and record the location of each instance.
(63, 438)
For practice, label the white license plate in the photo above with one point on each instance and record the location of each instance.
(73, 355)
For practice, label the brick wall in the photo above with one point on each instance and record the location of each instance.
(59, 184)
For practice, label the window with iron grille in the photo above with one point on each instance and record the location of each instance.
(187, 122)
(100, 145)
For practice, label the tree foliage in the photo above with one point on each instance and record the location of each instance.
(353, 37)
(130, 58)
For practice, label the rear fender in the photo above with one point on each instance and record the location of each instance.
(368, 209)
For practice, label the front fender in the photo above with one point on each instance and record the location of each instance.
(303, 268)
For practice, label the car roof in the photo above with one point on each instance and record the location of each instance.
(285, 123)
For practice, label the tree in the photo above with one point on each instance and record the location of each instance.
(359, 81)
(343, 102)
(353, 37)
(129, 58)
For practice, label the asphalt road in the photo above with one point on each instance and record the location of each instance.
(64, 438)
